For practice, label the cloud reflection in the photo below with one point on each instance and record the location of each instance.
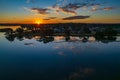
(81, 73)
(74, 45)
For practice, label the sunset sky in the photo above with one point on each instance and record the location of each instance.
(59, 11)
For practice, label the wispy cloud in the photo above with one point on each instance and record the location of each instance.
(76, 17)
(65, 10)
(68, 7)
(50, 18)
(46, 19)
(42, 11)
(105, 8)
(92, 5)
(108, 8)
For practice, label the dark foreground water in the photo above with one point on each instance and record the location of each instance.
(74, 59)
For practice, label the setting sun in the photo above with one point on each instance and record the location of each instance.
(38, 22)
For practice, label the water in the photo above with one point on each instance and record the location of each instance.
(12, 27)
(59, 59)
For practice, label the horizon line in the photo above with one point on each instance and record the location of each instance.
(59, 23)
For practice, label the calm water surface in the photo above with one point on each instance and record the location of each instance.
(31, 59)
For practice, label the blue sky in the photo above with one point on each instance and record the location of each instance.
(26, 11)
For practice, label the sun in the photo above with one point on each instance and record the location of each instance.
(38, 22)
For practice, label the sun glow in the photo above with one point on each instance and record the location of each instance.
(38, 22)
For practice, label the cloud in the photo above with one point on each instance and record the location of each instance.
(70, 7)
(74, 6)
(42, 11)
(58, 9)
(50, 18)
(76, 17)
(66, 10)
(106, 8)
(46, 19)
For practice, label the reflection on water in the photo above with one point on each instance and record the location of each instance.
(12, 27)
(32, 55)
(81, 73)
